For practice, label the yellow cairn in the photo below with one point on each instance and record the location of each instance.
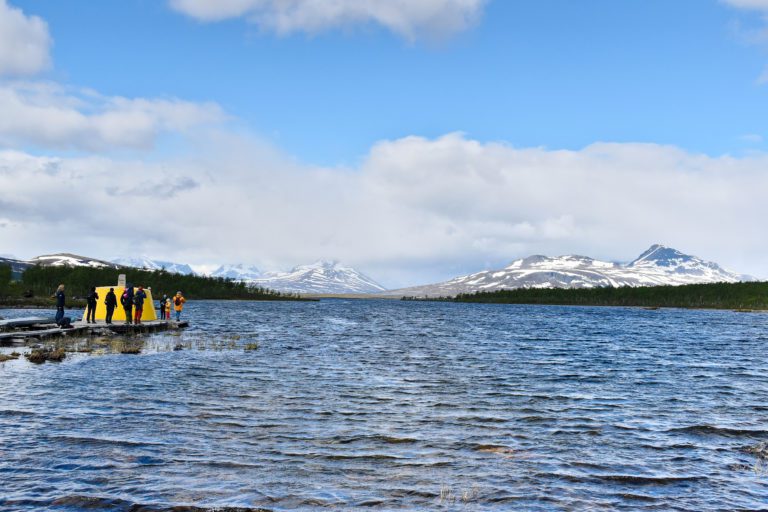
(148, 313)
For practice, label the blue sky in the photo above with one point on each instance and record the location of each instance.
(414, 139)
(554, 73)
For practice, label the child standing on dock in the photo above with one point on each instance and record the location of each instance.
(162, 307)
(168, 308)
(90, 312)
(138, 301)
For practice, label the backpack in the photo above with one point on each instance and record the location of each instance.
(138, 299)
(177, 301)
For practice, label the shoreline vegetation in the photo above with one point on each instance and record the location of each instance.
(745, 296)
(37, 284)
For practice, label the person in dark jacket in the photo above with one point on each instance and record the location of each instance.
(162, 307)
(127, 301)
(60, 304)
(111, 302)
(90, 312)
(138, 301)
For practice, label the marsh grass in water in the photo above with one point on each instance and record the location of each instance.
(41, 355)
(9, 357)
(107, 343)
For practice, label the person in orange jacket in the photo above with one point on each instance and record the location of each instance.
(178, 305)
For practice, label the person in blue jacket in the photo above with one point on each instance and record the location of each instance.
(126, 299)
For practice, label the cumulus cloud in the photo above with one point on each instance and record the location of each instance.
(24, 42)
(49, 115)
(417, 210)
(411, 19)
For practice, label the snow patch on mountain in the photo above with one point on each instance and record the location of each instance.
(17, 266)
(146, 263)
(65, 259)
(321, 277)
(237, 272)
(659, 265)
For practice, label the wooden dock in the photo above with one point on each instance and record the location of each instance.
(80, 328)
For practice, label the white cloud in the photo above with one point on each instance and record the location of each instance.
(49, 115)
(24, 42)
(749, 4)
(417, 210)
(758, 37)
(412, 19)
(752, 138)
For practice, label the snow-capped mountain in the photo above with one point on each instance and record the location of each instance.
(237, 272)
(150, 264)
(17, 266)
(658, 265)
(64, 259)
(322, 277)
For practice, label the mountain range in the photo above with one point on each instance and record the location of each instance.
(659, 265)
(321, 277)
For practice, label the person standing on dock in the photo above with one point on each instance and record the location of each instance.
(162, 307)
(90, 312)
(59, 304)
(178, 305)
(168, 308)
(138, 301)
(127, 301)
(111, 302)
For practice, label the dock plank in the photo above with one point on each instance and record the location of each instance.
(81, 328)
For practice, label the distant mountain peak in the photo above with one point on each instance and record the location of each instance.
(238, 272)
(147, 263)
(658, 265)
(320, 264)
(66, 259)
(658, 252)
(320, 277)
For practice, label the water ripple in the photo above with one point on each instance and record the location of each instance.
(388, 405)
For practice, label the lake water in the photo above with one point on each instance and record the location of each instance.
(395, 405)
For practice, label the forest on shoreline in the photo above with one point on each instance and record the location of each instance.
(38, 283)
(746, 295)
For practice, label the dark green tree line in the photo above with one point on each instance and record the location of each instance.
(42, 281)
(5, 279)
(749, 295)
